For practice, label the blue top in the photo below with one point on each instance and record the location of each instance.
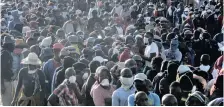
(120, 96)
(153, 98)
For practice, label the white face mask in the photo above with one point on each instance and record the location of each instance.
(72, 79)
(105, 82)
(146, 40)
(127, 81)
(32, 71)
(85, 76)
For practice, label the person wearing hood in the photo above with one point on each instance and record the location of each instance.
(168, 79)
(6, 70)
(15, 24)
(67, 92)
(50, 66)
(119, 96)
(102, 90)
(173, 53)
(32, 83)
(60, 74)
(89, 83)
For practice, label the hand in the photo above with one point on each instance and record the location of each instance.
(13, 103)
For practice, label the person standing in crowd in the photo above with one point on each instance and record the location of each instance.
(119, 97)
(7, 73)
(103, 44)
(140, 85)
(32, 83)
(102, 90)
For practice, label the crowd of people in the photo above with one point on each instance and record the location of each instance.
(112, 52)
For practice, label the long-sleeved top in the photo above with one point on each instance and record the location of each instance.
(153, 99)
(7, 61)
(120, 96)
(48, 69)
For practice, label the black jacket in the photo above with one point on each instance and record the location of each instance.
(6, 65)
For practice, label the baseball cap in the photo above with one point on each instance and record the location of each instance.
(140, 76)
(58, 46)
(183, 68)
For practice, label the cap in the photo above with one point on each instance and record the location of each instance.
(183, 68)
(188, 32)
(140, 76)
(58, 46)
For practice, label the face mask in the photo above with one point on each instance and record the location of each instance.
(127, 81)
(85, 76)
(72, 79)
(146, 40)
(32, 71)
(105, 82)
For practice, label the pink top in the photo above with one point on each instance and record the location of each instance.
(98, 94)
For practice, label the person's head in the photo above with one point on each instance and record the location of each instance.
(170, 36)
(141, 99)
(70, 75)
(140, 82)
(8, 43)
(131, 64)
(115, 72)
(172, 69)
(196, 34)
(182, 69)
(188, 35)
(174, 44)
(126, 78)
(169, 100)
(156, 62)
(56, 49)
(103, 76)
(139, 62)
(148, 37)
(175, 90)
(149, 85)
(79, 67)
(129, 40)
(67, 61)
(60, 34)
(205, 59)
(139, 40)
(94, 13)
(32, 61)
(196, 99)
(93, 65)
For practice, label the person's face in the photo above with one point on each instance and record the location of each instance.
(173, 47)
(56, 52)
(150, 38)
(143, 101)
(140, 85)
(32, 67)
(139, 65)
(104, 75)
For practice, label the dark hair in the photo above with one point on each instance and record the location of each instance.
(205, 59)
(150, 34)
(175, 84)
(157, 61)
(164, 66)
(93, 65)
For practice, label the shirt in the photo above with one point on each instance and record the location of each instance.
(120, 96)
(153, 48)
(174, 56)
(99, 94)
(66, 96)
(153, 99)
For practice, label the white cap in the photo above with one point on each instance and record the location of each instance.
(183, 68)
(140, 76)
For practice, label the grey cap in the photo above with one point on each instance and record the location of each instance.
(137, 58)
(8, 39)
(46, 52)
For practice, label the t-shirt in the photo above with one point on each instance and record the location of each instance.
(153, 99)
(120, 96)
(153, 48)
(99, 94)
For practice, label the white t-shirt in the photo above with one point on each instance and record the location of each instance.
(153, 48)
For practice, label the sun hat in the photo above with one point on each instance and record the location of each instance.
(31, 59)
(140, 76)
